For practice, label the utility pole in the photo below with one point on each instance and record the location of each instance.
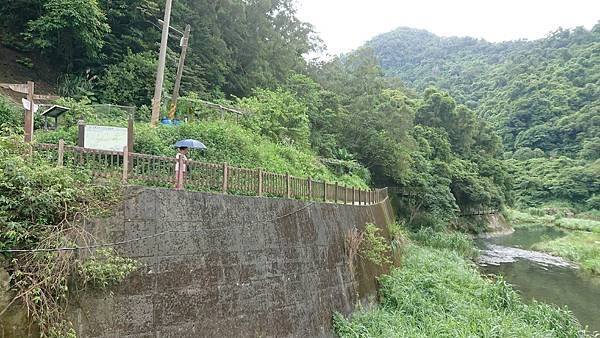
(160, 73)
(184, 46)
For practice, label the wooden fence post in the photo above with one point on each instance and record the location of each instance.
(353, 195)
(345, 194)
(225, 177)
(125, 163)
(309, 182)
(335, 194)
(324, 191)
(260, 182)
(288, 185)
(61, 152)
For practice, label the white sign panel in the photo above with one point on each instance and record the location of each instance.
(105, 138)
(27, 104)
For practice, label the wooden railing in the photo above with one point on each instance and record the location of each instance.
(477, 212)
(150, 170)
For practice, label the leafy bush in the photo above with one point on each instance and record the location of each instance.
(105, 268)
(399, 236)
(11, 115)
(130, 82)
(77, 86)
(374, 247)
(436, 293)
(277, 115)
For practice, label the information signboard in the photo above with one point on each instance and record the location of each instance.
(105, 138)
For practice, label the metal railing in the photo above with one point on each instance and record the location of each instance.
(150, 170)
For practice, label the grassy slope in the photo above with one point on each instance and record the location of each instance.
(227, 142)
(437, 293)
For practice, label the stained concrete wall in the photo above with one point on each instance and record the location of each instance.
(229, 266)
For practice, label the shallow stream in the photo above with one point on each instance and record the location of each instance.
(540, 276)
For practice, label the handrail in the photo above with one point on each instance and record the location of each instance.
(153, 170)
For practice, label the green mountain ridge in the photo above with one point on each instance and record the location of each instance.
(537, 94)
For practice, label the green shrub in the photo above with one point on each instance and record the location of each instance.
(77, 86)
(105, 268)
(277, 115)
(229, 142)
(11, 115)
(398, 236)
(130, 82)
(374, 247)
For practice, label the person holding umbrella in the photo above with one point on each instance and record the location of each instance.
(180, 167)
(183, 147)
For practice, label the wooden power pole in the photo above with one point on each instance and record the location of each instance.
(162, 57)
(184, 47)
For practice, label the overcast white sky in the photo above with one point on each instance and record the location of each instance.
(346, 24)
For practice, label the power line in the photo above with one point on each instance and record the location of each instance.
(113, 244)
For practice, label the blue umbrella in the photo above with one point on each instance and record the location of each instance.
(189, 143)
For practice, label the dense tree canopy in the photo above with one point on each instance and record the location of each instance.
(235, 45)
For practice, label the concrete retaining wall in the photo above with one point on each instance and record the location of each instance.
(229, 266)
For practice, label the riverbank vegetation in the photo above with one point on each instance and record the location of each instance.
(581, 243)
(437, 292)
(579, 246)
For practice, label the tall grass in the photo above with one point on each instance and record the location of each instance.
(457, 241)
(436, 293)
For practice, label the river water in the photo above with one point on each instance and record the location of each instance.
(539, 276)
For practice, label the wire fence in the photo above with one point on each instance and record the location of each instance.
(160, 171)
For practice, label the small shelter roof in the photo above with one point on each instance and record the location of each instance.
(55, 111)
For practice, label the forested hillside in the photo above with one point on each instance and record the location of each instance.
(538, 94)
(542, 97)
